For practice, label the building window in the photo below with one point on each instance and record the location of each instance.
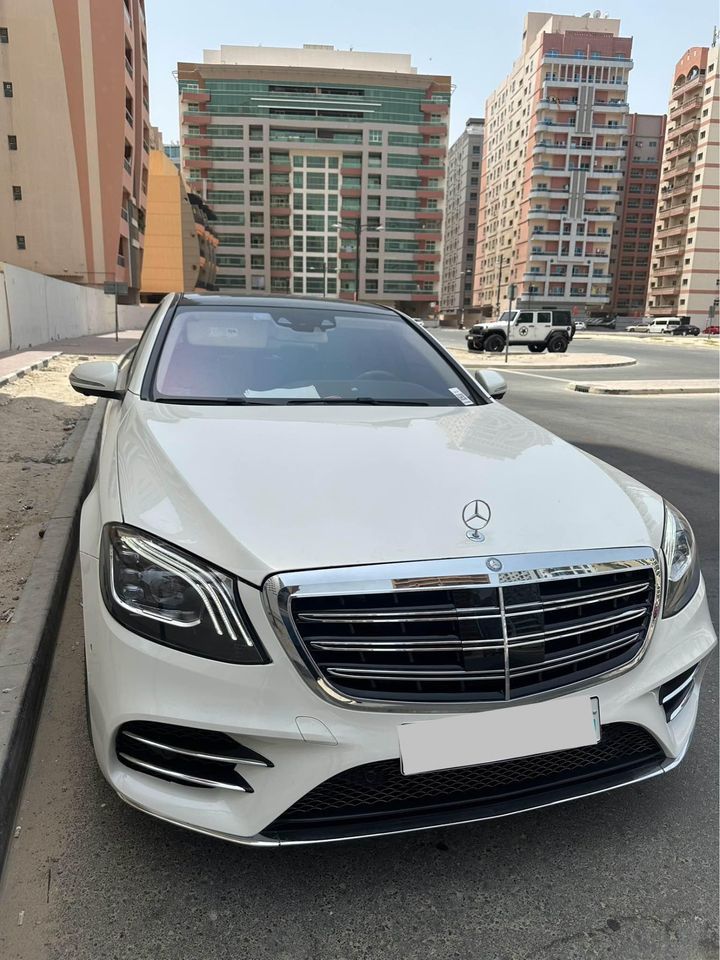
(375, 136)
(7, 88)
(17, 193)
(12, 142)
(3, 34)
(20, 241)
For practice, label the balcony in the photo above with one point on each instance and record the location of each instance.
(600, 215)
(685, 146)
(681, 108)
(674, 231)
(198, 163)
(686, 127)
(196, 118)
(424, 193)
(279, 189)
(689, 85)
(197, 142)
(429, 170)
(433, 129)
(426, 150)
(194, 96)
(428, 256)
(545, 146)
(434, 106)
(424, 213)
(667, 271)
(673, 210)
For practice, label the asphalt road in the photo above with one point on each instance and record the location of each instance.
(630, 875)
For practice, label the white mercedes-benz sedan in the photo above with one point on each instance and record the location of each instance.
(334, 589)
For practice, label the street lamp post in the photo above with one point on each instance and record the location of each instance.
(501, 262)
(358, 229)
(461, 277)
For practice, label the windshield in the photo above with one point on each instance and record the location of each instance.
(504, 317)
(302, 355)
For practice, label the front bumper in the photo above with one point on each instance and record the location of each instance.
(271, 710)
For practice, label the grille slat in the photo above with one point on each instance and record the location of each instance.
(477, 643)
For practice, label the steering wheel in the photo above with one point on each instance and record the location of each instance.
(376, 375)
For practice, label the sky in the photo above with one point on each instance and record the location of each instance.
(475, 42)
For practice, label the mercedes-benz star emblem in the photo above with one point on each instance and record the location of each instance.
(476, 516)
(493, 564)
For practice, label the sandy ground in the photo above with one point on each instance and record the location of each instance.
(38, 440)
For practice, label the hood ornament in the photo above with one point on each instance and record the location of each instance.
(476, 516)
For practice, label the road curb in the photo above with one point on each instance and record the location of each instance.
(27, 651)
(500, 364)
(17, 374)
(649, 391)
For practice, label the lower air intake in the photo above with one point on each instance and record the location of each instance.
(365, 796)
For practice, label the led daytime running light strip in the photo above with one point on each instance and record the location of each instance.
(211, 590)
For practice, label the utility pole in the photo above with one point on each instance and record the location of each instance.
(512, 292)
(501, 260)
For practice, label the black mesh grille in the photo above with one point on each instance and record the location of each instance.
(479, 643)
(380, 790)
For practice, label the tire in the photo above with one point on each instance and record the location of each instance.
(557, 345)
(471, 347)
(536, 347)
(696, 333)
(495, 343)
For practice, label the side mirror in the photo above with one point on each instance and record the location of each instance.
(492, 382)
(96, 378)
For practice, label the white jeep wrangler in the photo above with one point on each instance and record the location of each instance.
(536, 329)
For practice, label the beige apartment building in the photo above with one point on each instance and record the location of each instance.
(631, 248)
(326, 170)
(461, 213)
(686, 261)
(554, 134)
(74, 137)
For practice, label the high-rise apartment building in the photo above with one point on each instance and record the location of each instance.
(180, 239)
(686, 250)
(326, 169)
(461, 212)
(551, 166)
(631, 249)
(74, 138)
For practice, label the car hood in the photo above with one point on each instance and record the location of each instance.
(257, 490)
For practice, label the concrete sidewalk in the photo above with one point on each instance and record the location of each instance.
(646, 387)
(17, 363)
(538, 361)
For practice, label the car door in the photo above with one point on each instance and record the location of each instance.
(524, 328)
(543, 326)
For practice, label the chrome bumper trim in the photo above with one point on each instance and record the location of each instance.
(262, 841)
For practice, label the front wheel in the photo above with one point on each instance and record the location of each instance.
(696, 333)
(536, 347)
(471, 346)
(557, 345)
(495, 343)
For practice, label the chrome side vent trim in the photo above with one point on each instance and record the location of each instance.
(186, 755)
(676, 692)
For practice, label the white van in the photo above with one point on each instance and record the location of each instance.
(665, 324)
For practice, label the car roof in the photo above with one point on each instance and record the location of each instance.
(224, 300)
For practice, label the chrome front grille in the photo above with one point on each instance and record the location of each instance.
(468, 636)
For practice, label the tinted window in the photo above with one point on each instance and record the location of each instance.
(544, 317)
(299, 354)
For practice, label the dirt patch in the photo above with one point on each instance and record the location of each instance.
(39, 414)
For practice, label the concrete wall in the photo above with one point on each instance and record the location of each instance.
(36, 309)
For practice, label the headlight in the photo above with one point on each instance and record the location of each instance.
(169, 596)
(682, 572)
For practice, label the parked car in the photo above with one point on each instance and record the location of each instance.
(538, 330)
(642, 326)
(284, 644)
(712, 330)
(602, 323)
(580, 324)
(666, 324)
(686, 330)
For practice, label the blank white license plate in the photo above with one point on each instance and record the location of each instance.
(499, 734)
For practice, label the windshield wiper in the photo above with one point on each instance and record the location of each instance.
(368, 401)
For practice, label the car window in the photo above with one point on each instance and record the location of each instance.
(302, 355)
(544, 317)
(525, 318)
